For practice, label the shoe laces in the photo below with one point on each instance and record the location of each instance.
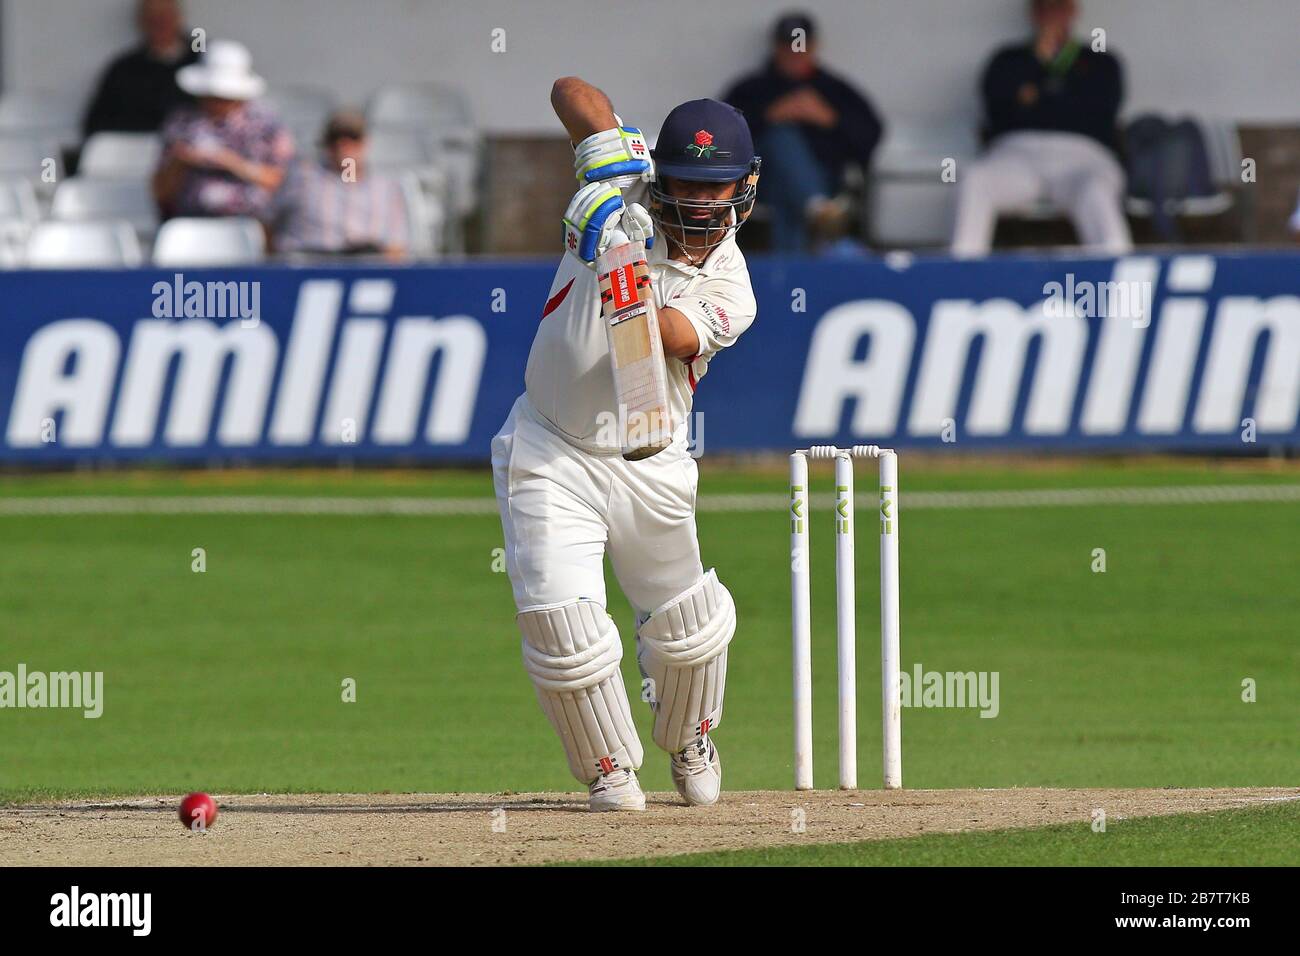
(694, 757)
(612, 780)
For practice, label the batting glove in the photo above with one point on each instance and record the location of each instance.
(638, 225)
(596, 216)
(618, 155)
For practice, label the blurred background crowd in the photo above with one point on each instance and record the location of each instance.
(182, 152)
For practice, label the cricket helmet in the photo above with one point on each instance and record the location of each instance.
(704, 141)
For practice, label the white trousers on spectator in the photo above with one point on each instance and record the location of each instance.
(1078, 175)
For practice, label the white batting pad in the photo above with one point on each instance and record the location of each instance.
(682, 648)
(572, 652)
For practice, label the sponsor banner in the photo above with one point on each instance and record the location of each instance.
(280, 364)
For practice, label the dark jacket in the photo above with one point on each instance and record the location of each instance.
(136, 93)
(852, 140)
(1081, 95)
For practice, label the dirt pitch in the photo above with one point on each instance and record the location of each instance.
(470, 829)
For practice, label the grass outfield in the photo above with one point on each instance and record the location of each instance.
(230, 680)
(1256, 836)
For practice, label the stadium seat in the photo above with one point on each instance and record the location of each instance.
(420, 105)
(209, 242)
(41, 114)
(80, 199)
(908, 203)
(19, 211)
(28, 157)
(83, 245)
(120, 155)
(443, 113)
(18, 202)
(425, 191)
(401, 147)
(402, 152)
(1223, 150)
(425, 213)
(304, 109)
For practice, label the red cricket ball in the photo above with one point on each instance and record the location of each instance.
(198, 811)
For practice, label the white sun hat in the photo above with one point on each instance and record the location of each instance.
(224, 71)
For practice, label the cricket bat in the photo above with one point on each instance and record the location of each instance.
(636, 353)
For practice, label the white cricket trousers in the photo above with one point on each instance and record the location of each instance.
(562, 508)
(1075, 173)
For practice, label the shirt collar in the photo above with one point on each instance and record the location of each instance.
(659, 255)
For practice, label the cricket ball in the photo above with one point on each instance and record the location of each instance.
(198, 811)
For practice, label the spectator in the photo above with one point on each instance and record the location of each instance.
(1050, 114)
(809, 125)
(336, 206)
(227, 156)
(139, 89)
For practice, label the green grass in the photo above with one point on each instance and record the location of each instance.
(230, 680)
(1255, 836)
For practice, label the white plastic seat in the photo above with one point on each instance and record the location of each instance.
(29, 157)
(399, 146)
(1223, 153)
(425, 191)
(304, 110)
(79, 199)
(83, 245)
(420, 105)
(425, 214)
(18, 201)
(443, 114)
(229, 241)
(908, 203)
(41, 113)
(120, 155)
(300, 102)
(19, 211)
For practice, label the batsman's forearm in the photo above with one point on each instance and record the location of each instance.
(581, 107)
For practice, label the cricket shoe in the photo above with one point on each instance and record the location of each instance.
(616, 790)
(697, 772)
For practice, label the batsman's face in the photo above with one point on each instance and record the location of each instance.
(689, 189)
(696, 210)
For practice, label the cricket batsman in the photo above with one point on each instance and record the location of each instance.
(567, 494)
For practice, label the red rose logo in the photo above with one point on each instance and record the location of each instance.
(704, 138)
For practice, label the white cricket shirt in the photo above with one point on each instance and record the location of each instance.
(569, 381)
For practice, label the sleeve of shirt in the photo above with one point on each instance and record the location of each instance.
(282, 148)
(173, 130)
(859, 125)
(720, 309)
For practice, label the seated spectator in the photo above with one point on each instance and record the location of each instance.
(808, 125)
(1050, 115)
(139, 89)
(336, 206)
(226, 156)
